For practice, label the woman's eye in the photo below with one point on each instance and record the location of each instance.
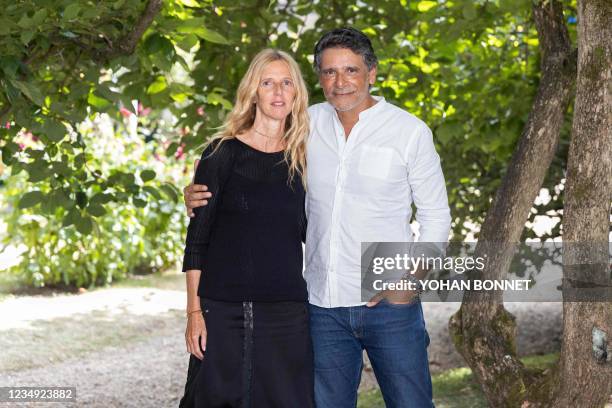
(287, 83)
(265, 83)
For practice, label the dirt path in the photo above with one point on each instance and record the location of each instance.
(124, 347)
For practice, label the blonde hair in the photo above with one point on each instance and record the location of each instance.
(242, 116)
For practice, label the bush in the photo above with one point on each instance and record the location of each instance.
(89, 235)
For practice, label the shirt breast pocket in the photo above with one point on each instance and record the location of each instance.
(375, 161)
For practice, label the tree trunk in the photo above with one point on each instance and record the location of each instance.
(482, 330)
(586, 361)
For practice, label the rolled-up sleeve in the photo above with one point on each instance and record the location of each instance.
(213, 170)
(428, 193)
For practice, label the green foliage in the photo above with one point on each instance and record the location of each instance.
(64, 63)
(86, 237)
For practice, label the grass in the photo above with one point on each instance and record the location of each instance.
(171, 280)
(457, 388)
(10, 285)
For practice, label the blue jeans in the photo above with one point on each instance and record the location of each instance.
(395, 338)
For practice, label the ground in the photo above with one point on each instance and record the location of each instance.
(124, 346)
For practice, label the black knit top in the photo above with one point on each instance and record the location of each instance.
(248, 240)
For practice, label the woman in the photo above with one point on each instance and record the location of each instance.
(247, 326)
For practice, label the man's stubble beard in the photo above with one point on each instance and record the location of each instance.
(363, 97)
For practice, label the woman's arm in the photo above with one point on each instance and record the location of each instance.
(195, 333)
(214, 169)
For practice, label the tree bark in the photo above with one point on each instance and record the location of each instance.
(482, 330)
(586, 361)
(127, 44)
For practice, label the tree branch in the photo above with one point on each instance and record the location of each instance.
(127, 45)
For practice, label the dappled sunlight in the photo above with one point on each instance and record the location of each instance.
(23, 312)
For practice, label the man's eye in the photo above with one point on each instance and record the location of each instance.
(351, 70)
(328, 73)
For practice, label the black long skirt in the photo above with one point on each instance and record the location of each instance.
(258, 355)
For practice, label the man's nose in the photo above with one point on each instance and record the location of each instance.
(340, 82)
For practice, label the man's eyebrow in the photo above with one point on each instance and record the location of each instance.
(342, 67)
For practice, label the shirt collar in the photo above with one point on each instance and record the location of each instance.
(380, 101)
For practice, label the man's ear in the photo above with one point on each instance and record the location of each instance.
(372, 75)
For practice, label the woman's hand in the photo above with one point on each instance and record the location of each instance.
(196, 333)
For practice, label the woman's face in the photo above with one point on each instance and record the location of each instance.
(276, 91)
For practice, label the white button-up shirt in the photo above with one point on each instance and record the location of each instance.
(360, 189)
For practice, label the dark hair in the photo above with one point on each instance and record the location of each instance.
(346, 37)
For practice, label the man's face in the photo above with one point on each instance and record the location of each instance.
(345, 79)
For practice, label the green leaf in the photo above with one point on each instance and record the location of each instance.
(158, 86)
(100, 103)
(101, 198)
(211, 36)
(197, 26)
(156, 43)
(72, 217)
(161, 61)
(105, 92)
(147, 175)
(30, 91)
(423, 6)
(139, 203)
(79, 160)
(71, 11)
(54, 130)
(59, 198)
(61, 168)
(30, 199)
(38, 170)
(81, 199)
(25, 22)
(128, 180)
(152, 191)
(69, 34)
(96, 210)
(189, 3)
(7, 158)
(170, 191)
(84, 225)
(217, 99)
(188, 42)
(39, 17)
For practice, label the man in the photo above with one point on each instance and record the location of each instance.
(368, 160)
